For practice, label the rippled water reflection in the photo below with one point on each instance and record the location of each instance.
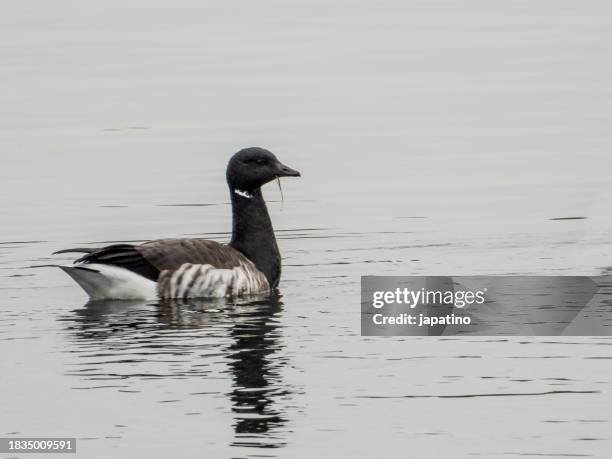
(117, 341)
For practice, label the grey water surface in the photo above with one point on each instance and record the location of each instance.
(434, 137)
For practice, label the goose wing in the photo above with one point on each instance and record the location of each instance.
(171, 254)
(151, 258)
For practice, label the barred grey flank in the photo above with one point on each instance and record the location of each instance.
(202, 281)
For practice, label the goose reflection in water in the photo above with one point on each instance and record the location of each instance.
(193, 339)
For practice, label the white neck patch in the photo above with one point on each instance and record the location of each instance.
(244, 194)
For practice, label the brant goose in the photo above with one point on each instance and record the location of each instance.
(191, 268)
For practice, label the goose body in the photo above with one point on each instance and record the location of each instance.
(196, 268)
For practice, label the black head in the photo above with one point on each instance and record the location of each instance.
(253, 167)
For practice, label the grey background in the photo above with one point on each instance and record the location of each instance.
(434, 137)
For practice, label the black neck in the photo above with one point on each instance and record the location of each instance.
(253, 235)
